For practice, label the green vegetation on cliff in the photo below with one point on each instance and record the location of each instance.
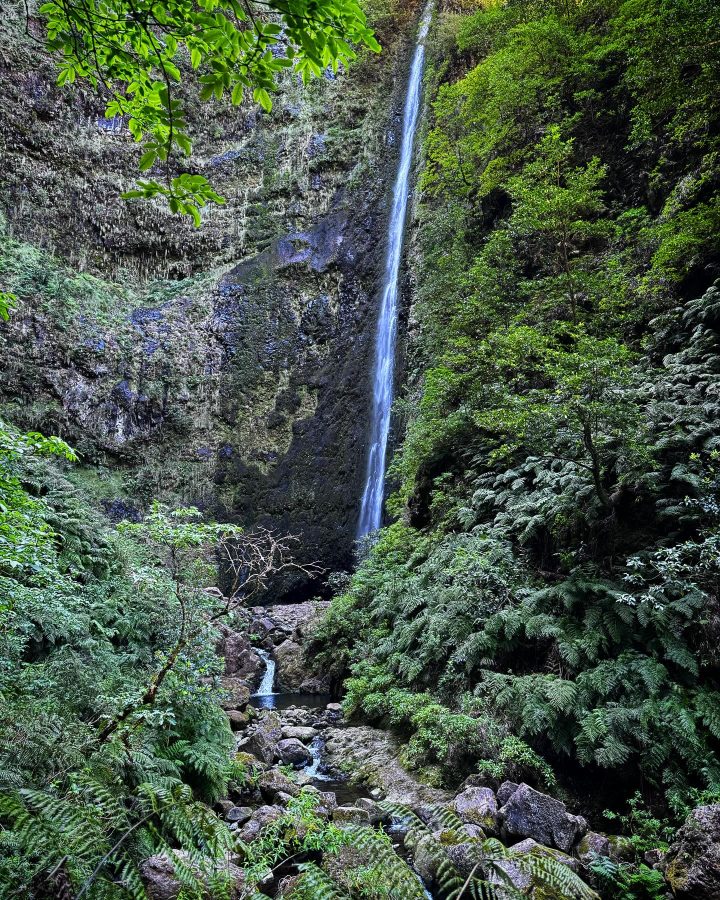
(133, 52)
(545, 604)
(548, 599)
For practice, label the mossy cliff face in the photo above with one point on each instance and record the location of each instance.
(65, 164)
(227, 367)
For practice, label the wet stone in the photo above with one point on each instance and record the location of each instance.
(302, 733)
(351, 814)
(294, 753)
(239, 814)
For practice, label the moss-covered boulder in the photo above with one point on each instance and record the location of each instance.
(692, 865)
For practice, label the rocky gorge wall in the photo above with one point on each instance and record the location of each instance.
(225, 367)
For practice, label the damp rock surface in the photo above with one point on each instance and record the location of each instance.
(531, 814)
(692, 865)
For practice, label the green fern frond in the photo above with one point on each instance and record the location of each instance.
(395, 871)
(490, 878)
(314, 884)
(553, 875)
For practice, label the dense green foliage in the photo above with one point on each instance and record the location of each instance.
(102, 760)
(545, 606)
(388, 876)
(551, 587)
(134, 53)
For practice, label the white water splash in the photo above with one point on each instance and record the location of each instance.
(312, 770)
(385, 339)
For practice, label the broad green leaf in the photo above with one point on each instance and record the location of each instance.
(261, 96)
(147, 160)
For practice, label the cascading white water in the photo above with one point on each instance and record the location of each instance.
(312, 770)
(384, 373)
(265, 690)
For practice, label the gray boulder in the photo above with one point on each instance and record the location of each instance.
(158, 875)
(239, 814)
(463, 856)
(530, 814)
(261, 818)
(328, 798)
(291, 669)
(264, 738)
(505, 792)
(240, 658)
(478, 806)
(259, 745)
(373, 810)
(622, 848)
(592, 846)
(294, 753)
(328, 802)
(273, 782)
(426, 859)
(238, 718)
(302, 733)
(692, 865)
(531, 847)
(522, 877)
(270, 723)
(263, 626)
(351, 814)
(237, 693)
(334, 711)
(655, 859)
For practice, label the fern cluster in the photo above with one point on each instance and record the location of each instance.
(490, 871)
(383, 872)
(84, 619)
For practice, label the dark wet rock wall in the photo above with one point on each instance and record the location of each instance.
(226, 367)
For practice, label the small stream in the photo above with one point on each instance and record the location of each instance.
(267, 698)
(315, 773)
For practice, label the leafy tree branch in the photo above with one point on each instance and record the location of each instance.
(137, 53)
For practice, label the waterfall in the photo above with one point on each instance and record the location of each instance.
(384, 370)
(312, 770)
(265, 690)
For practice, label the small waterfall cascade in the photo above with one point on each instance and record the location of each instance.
(265, 690)
(385, 339)
(312, 770)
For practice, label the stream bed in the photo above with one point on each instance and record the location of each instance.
(318, 772)
(304, 705)
(297, 737)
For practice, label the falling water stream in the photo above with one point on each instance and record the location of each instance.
(264, 696)
(385, 339)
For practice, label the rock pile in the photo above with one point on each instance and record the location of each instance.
(280, 751)
(283, 629)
